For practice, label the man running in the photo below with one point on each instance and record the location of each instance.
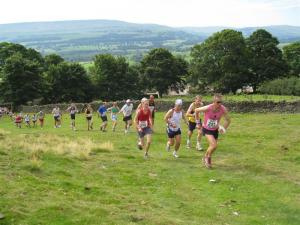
(57, 117)
(102, 113)
(143, 123)
(173, 118)
(127, 114)
(114, 115)
(152, 108)
(190, 114)
(211, 125)
(72, 109)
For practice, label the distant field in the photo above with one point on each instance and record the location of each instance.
(58, 176)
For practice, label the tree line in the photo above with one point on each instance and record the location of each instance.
(224, 62)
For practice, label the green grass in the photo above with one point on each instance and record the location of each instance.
(58, 176)
(240, 98)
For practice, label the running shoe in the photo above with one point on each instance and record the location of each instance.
(188, 144)
(199, 147)
(175, 154)
(140, 147)
(146, 156)
(168, 147)
(207, 162)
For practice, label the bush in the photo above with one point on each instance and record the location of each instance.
(283, 86)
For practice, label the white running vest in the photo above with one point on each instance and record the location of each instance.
(175, 120)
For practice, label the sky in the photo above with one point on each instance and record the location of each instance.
(175, 13)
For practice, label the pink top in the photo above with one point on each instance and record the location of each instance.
(212, 118)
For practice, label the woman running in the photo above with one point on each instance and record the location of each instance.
(190, 114)
(114, 115)
(173, 118)
(57, 117)
(41, 116)
(89, 116)
(72, 110)
(211, 125)
(143, 124)
(34, 119)
(102, 113)
(18, 120)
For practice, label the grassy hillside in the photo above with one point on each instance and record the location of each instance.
(81, 40)
(58, 176)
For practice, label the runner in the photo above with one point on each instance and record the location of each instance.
(102, 113)
(27, 120)
(114, 115)
(57, 117)
(190, 114)
(143, 123)
(152, 108)
(127, 115)
(211, 125)
(18, 120)
(173, 118)
(41, 116)
(34, 119)
(72, 110)
(89, 116)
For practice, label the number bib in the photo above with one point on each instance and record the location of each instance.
(212, 123)
(143, 124)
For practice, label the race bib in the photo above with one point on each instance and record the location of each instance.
(212, 123)
(143, 124)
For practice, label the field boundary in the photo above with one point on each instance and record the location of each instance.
(163, 106)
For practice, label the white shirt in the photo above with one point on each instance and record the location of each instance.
(175, 120)
(127, 110)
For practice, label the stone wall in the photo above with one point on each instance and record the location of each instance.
(238, 107)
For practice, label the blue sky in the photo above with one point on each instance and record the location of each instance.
(176, 13)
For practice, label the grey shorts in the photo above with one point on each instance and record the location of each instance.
(145, 132)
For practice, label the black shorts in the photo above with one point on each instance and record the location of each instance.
(172, 134)
(72, 116)
(104, 118)
(126, 118)
(56, 118)
(88, 117)
(215, 133)
(193, 125)
(144, 132)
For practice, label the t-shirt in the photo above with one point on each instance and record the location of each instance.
(102, 110)
(127, 110)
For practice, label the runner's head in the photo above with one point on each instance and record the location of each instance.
(104, 103)
(178, 104)
(114, 104)
(198, 100)
(151, 98)
(128, 101)
(217, 100)
(145, 103)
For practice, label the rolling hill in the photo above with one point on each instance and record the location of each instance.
(81, 40)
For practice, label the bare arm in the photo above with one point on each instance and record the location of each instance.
(168, 116)
(227, 119)
(136, 122)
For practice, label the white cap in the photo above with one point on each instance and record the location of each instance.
(128, 100)
(178, 102)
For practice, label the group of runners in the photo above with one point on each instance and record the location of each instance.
(144, 121)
